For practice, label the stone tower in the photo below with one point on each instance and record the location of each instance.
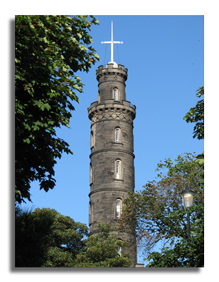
(112, 146)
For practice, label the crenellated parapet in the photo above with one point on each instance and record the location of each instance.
(115, 72)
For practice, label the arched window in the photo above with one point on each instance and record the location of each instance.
(115, 94)
(117, 135)
(89, 212)
(91, 139)
(91, 174)
(118, 169)
(119, 251)
(118, 208)
(119, 248)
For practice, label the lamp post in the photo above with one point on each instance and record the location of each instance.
(187, 197)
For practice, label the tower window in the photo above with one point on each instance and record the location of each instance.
(89, 212)
(91, 139)
(118, 208)
(119, 248)
(119, 251)
(118, 169)
(117, 135)
(91, 174)
(115, 94)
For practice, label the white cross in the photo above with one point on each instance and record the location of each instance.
(112, 42)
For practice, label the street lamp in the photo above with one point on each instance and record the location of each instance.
(187, 197)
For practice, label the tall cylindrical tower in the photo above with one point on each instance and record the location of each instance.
(112, 146)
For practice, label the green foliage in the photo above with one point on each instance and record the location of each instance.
(196, 115)
(102, 250)
(159, 217)
(45, 238)
(184, 253)
(49, 50)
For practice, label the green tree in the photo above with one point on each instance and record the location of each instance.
(102, 250)
(196, 115)
(49, 50)
(184, 253)
(159, 217)
(45, 238)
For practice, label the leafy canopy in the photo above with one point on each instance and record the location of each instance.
(102, 250)
(45, 238)
(49, 50)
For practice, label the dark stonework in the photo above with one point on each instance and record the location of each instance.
(106, 183)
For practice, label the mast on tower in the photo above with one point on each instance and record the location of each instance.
(112, 42)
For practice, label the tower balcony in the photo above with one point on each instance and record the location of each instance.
(112, 109)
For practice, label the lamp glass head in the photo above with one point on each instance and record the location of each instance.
(187, 197)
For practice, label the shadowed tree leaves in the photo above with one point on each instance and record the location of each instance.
(49, 50)
(102, 250)
(45, 238)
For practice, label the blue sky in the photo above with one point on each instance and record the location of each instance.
(165, 60)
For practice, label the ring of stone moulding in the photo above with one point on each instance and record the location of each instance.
(109, 114)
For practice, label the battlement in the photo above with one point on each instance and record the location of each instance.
(112, 69)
